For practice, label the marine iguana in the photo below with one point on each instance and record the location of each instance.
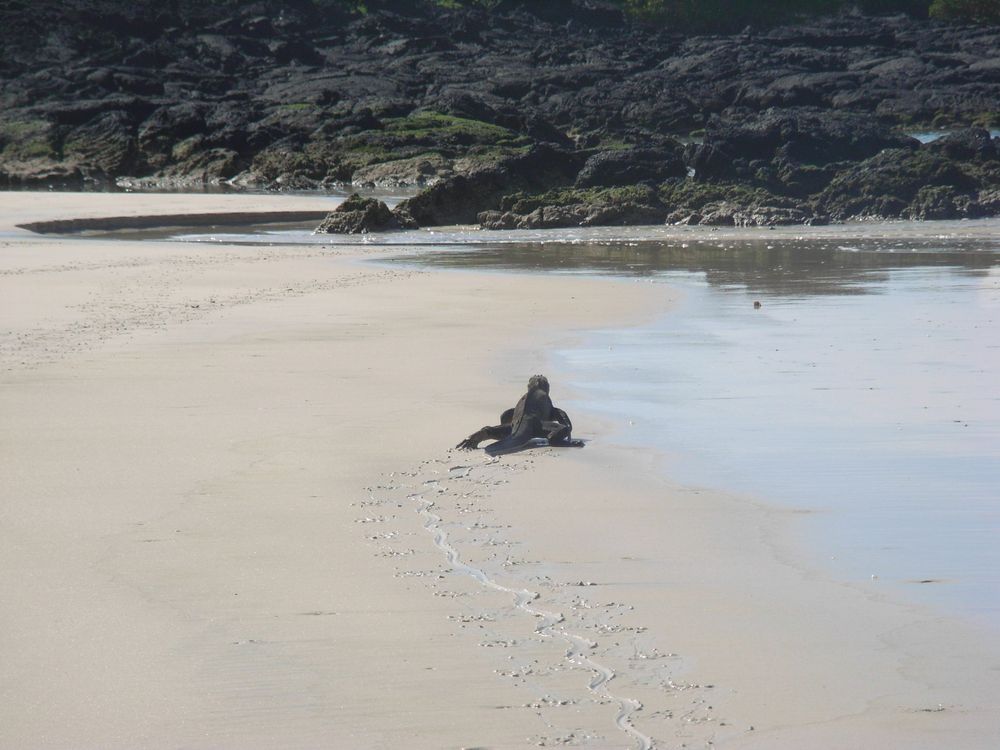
(534, 417)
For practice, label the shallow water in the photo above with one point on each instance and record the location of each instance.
(601, 248)
(926, 136)
(862, 393)
(877, 411)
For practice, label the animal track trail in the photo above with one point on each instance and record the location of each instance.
(465, 487)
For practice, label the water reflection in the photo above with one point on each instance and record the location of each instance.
(779, 266)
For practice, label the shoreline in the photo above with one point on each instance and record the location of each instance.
(779, 404)
(232, 573)
(743, 642)
(242, 208)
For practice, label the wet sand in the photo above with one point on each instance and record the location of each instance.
(231, 519)
(870, 401)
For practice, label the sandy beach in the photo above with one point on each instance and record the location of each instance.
(231, 518)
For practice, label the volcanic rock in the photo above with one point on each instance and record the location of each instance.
(359, 215)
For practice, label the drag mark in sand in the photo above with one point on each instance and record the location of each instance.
(471, 547)
(550, 623)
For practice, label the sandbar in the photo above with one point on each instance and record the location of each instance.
(231, 518)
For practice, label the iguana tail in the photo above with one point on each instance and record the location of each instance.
(525, 435)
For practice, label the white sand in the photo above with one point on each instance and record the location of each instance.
(208, 463)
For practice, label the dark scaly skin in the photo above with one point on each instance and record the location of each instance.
(533, 417)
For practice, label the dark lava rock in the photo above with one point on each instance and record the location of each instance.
(460, 199)
(735, 204)
(631, 166)
(359, 215)
(936, 202)
(571, 207)
(493, 219)
(987, 203)
(520, 97)
(792, 178)
(970, 144)
(105, 143)
(457, 200)
(543, 217)
(736, 215)
(903, 183)
(802, 136)
(574, 215)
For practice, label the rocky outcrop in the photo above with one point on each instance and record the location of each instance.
(485, 110)
(460, 199)
(573, 215)
(808, 166)
(920, 184)
(630, 166)
(359, 215)
(418, 170)
(307, 94)
(970, 144)
(734, 148)
(571, 207)
(726, 214)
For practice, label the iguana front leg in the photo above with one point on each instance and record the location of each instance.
(556, 432)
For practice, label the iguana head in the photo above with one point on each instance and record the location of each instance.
(538, 381)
